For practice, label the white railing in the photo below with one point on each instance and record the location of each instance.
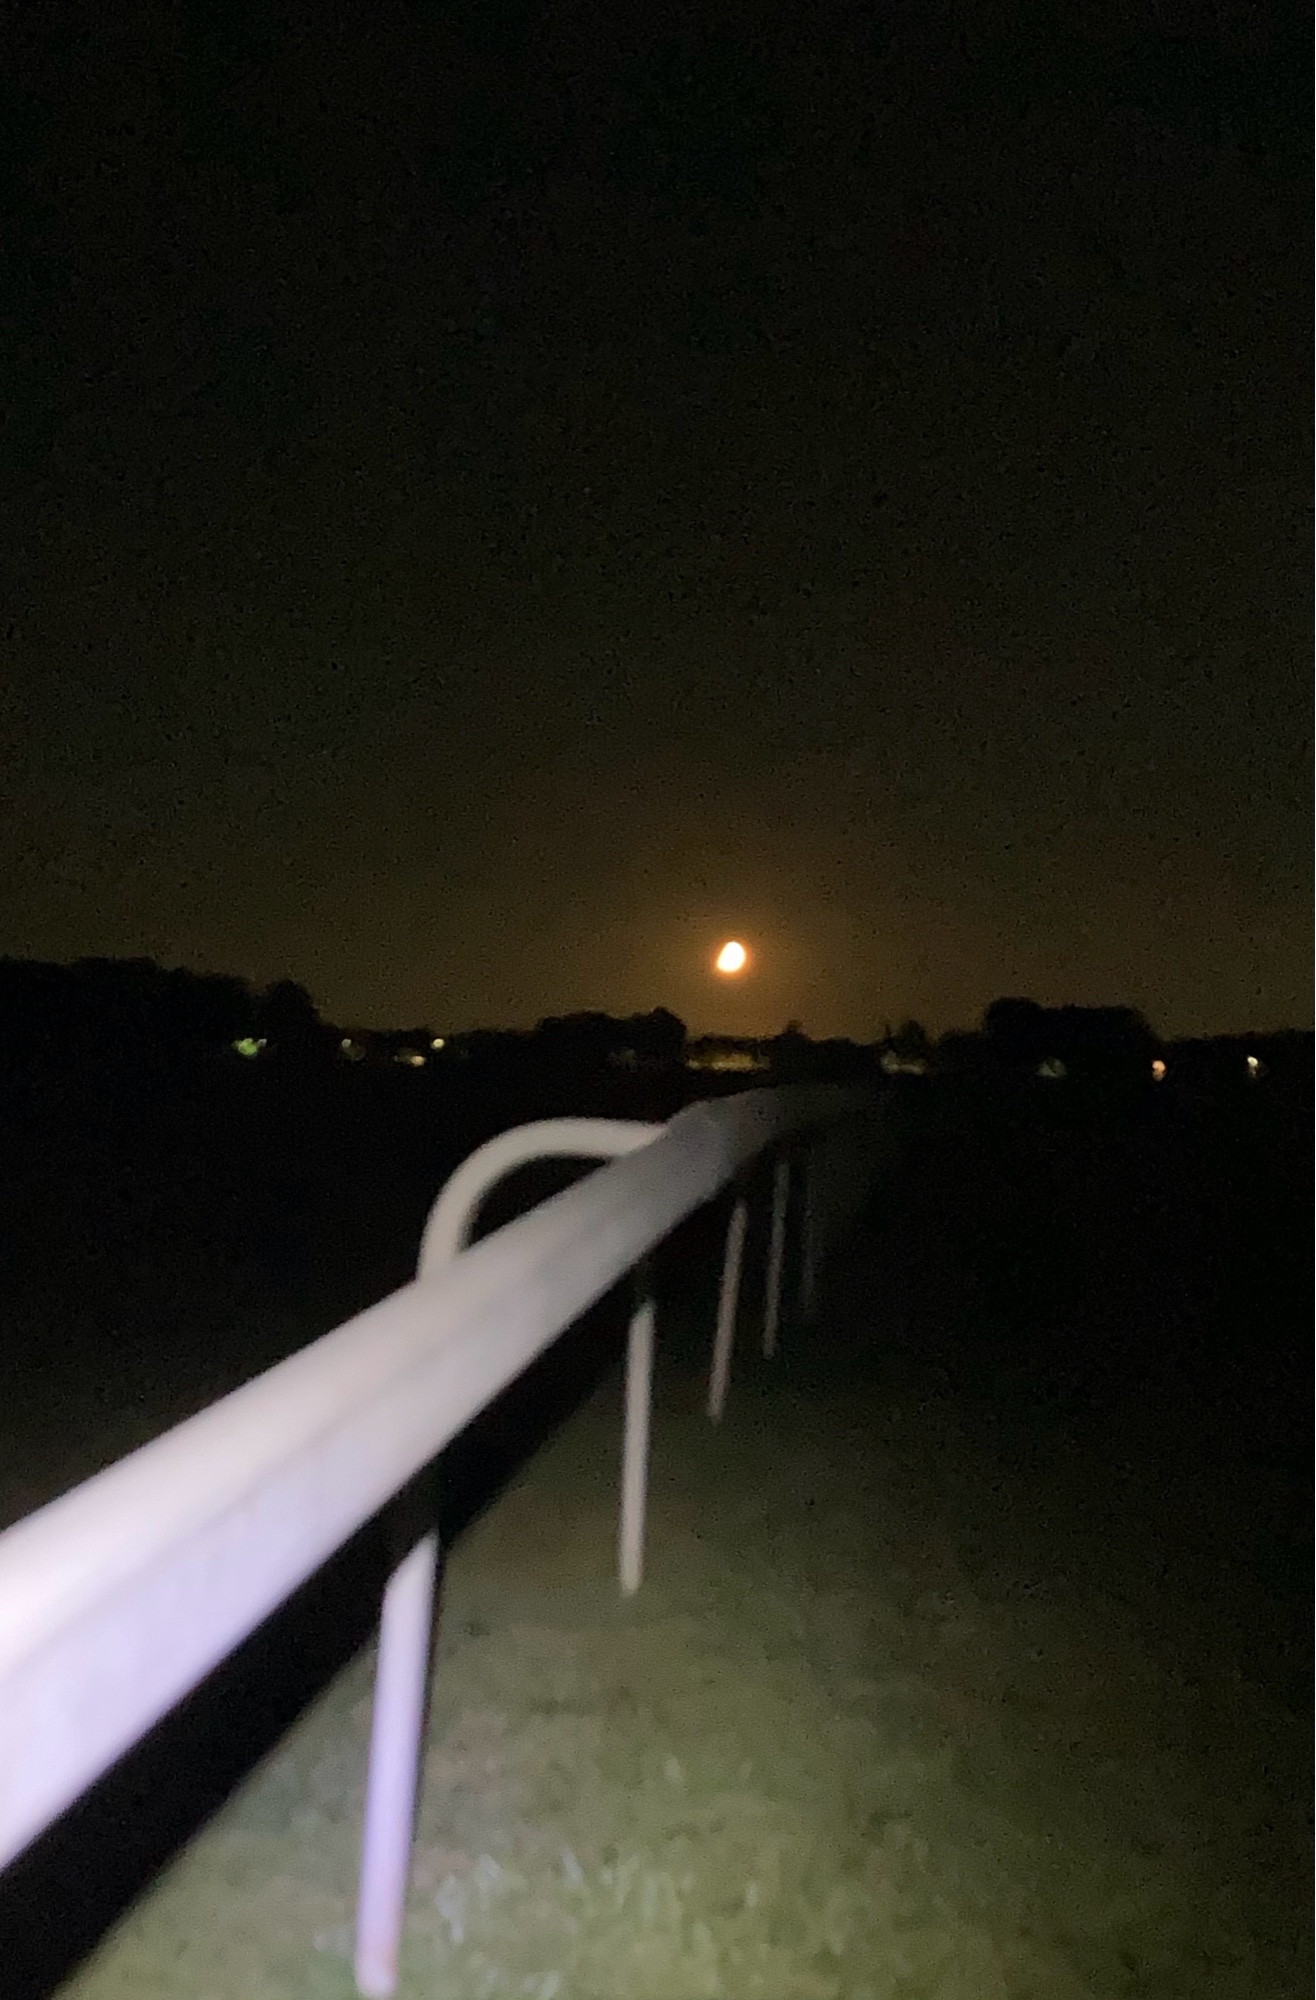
(118, 1598)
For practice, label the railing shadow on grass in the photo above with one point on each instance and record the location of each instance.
(130, 1821)
(59, 1898)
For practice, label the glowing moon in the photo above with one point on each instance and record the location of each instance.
(732, 958)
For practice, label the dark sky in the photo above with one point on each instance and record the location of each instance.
(498, 498)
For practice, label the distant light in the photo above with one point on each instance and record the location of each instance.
(439, 1042)
(249, 1045)
(893, 1064)
(1052, 1069)
(352, 1050)
(411, 1057)
(1255, 1067)
(726, 1061)
(732, 958)
(1158, 1071)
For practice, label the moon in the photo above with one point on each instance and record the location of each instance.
(732, 958)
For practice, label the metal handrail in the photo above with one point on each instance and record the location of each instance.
(119, 1597)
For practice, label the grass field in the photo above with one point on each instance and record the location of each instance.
(969, 1664)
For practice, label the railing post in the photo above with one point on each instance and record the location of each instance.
(781, 1180)
(401, 1675)
(728, 1300)
(407, 1621)
(635, 1447)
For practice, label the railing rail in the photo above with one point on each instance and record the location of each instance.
(118, 1598)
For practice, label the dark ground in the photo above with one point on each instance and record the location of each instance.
(1088, 1312)
(1126, 1287)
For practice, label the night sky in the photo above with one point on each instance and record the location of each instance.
(497, 498)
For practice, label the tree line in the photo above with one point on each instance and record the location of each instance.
(132, 1015)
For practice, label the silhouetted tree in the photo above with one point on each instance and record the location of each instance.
(960, 1052)
(217, 1007)
(116, 1017)
(496, 1048)
(1015, 1031)
(1096, 1041)
(287, 1016)
(1103, 1038)
(658, 1038)
(578, 1041)
(911, 1041)
(789, 1051)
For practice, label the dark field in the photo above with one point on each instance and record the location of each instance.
(1056, 1409)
